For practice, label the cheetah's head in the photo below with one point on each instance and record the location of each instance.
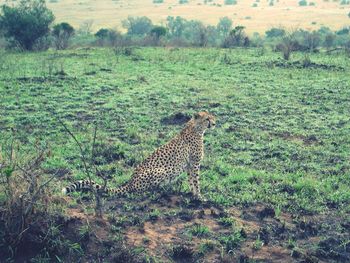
(203, 120)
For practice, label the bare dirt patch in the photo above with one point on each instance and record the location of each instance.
(262, 235)
(171, 228)
(306, 140)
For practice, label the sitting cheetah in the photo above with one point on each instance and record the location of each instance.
(182, 154)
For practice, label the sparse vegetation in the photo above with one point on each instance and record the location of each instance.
(275, 171)
(232, 180)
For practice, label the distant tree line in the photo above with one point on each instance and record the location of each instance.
(29, 26)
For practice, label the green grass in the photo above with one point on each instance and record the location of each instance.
(282, 135)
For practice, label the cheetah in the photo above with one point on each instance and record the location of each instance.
(181, 154)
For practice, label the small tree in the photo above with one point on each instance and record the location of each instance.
(311, 40)
(138, 25)
(236, 38)
(288, 45)
(26, 23)
(303, 3)
(102, 36)
(275, 32)
(176, 26)
(115, 38)
(202, 36)
(224, 26)
(62, 33)
(230, 2)
(329, 40)
(108, 37)
(156, 33)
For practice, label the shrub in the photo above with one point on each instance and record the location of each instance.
(158, 1)
(190, 32)
(158, 31)
(138, 25)
(62, 33)
(224, 26)
(275, 32)
(329, 40)
(303, 3)
(236, 38)
(347, 48)
(154, 37)
(27, 23)
(108, 37)
(306, 62)
(25, 199)
(183, 2)
(102, 33)
(289, 44)
(176, 26)
(311, 40)
(230, 2)
(343, 31)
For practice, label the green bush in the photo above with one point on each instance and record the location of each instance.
(158, 1)
(26, 25)
(137, 25)
(303, 3)
(158, 31)
(108, 37)
(230, 2)
(62, 33)
(275, 32)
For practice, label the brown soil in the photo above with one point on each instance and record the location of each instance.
(164, 226)
(159, 236)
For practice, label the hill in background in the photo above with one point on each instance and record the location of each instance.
(255, 15)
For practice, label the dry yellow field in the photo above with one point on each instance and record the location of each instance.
(286, 13)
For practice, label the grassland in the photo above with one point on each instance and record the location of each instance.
(276, 169)
(286, 13)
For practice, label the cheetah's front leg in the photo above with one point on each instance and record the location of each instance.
(193, 178)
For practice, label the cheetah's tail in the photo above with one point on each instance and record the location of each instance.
(87, 185)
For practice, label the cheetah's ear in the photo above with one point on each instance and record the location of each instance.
(196, 116)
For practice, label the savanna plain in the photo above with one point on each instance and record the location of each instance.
(275, 173)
